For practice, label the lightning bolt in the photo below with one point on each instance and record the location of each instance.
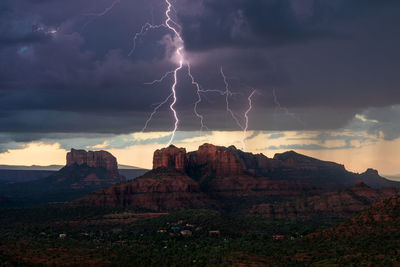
(199, 99)
(100, 14)
(246, 116)
(228, 94)
(285, 110)
(158, 106)
(161, 79)
(106, 10)
(181, 59)
(175, 28)
(145, 28)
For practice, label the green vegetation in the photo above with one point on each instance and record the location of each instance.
(119, 237)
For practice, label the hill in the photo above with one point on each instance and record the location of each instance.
(380, 219)
(31, 168)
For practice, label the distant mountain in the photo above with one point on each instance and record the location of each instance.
(395, 177)
(31, 168)
(131, 174)
(83, 173)
(53, 167)
(128, 167)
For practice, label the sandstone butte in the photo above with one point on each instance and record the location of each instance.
(95, 161)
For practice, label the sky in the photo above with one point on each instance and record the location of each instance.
(324, 76)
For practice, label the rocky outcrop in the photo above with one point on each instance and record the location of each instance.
(256, 164)
(170, 157)
(342, 204)
(211, 159)
(94, 159)
(217, 160)
(160, 189)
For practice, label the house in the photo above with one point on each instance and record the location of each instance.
(175, 228)
(278, 237)
(186, 233)
(62, 236)
(214, 233)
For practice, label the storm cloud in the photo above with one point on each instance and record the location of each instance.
(64, 70)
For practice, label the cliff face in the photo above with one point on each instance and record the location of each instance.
(343, 203)
(98, 168)
(94, 159)
(218, 160)
(211, 159)
(170, 157)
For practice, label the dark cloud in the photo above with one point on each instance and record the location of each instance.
(227, 23)
(65, 70)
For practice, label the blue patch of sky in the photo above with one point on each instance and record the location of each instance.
(22, 49)
(308, 147)
(276, 136)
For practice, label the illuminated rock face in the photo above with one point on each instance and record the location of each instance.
(170, 157)
(219, 160)
(96, 160)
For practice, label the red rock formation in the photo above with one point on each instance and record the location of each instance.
(235, 179)
(160, 189)
(95, 159)
(170, 157)
(344, 203)
(256, 164)
(218, 159)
